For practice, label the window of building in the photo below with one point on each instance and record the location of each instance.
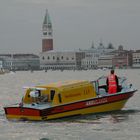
(45, 33)
(49, 25)
(43, 58)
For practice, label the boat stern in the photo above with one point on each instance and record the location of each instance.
(21, 113)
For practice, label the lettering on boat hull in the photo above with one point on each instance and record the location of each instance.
(96, 102)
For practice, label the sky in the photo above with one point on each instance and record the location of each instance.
(76, 24)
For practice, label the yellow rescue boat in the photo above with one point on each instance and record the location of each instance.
(69, 98)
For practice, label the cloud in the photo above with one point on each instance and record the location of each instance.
(75, 23)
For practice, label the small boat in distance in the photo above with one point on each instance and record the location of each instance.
(69, 98)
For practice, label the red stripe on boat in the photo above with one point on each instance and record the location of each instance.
(22, 111)
(86, 104)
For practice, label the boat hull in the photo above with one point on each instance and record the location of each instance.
(95, 105)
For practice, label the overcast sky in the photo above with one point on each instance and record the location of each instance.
(76, 23)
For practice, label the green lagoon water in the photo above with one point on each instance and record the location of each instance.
(119, 125)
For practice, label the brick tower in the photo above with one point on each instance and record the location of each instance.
(47, 40)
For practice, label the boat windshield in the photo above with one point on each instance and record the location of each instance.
(101, 86)
(35, 95)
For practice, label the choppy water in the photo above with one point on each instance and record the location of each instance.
(120, 125)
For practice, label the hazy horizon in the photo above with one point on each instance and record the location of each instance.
(76, 24)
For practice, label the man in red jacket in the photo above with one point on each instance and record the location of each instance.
(112, 82)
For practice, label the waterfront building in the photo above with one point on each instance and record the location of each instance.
(20, 61)
(93, 55)
(99, 50)
(47, 39)
(61, 59)
(136, 59)
(90, 61)
(1, 63)
(122, 58)
(105, 61)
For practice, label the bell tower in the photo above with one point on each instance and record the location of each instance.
(47, 39)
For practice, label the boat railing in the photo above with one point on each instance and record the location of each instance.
(101, 87)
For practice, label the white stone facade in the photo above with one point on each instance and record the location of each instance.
(136, 59)
(20, 61)
(105, 61)
(1, 64)
(90, 61)
(58, 60)
(94, 55)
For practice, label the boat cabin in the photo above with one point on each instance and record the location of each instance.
(60, 92)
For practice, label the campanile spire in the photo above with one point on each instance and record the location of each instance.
(47, 40)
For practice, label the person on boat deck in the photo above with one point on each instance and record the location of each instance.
(112, 82)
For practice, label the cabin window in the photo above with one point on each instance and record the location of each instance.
(52, 92)
(59, 97)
